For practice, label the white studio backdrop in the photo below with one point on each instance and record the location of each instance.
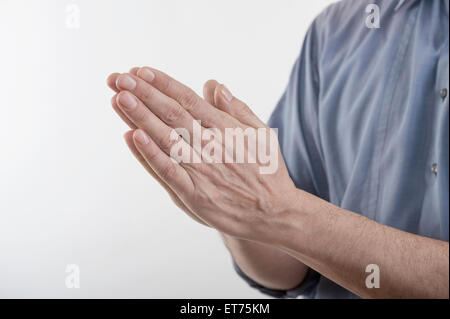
(70, 190)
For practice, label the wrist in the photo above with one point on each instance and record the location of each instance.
(287, 219)
(296, 226)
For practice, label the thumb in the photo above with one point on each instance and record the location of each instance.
(225, 101)
(208, 91)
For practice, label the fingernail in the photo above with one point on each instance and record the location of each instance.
(127, 101)
(126, 82)
(141, 137)
(226, 94)
(146, 74)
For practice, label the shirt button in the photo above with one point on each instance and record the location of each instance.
(443, 94)
(434, 168)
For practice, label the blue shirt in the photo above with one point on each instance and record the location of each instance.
(364, 120)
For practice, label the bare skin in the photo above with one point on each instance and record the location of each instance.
(274, 231)
(265, 264)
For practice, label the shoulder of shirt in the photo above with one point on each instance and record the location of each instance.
(342, 15)
(342, 10)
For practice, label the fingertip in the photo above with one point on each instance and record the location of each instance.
(208, 90)
(111, 81)
(126, 81)
(146, 73)
(119, 96)
(128, 135)
(219, 99)
(114, 100)
(127, 101)
(116, 82)
(134, 70)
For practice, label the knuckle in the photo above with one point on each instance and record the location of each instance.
(244, 113)
(152, 157)
(174, 115)
(168, 171)
(188, 100)
(140, 115)
(220, 120)
(223, 117)
(166, 142)
(245, 110)
(164, 83)
(241, 110)
(147, 93)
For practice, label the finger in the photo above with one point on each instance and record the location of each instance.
(167, 170)
(112, 78)
(130, 142)
(187, 98)
(111, 81)
(134, 70)
(224, 100)
(120, 113)
(112, 84)
(143, 118)
(208, 91)
(128, 136)
(164, 107)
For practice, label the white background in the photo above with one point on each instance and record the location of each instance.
(70, 191)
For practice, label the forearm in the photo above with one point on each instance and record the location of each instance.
(266, 265)
(340, 244)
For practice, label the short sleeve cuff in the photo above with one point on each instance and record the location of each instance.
(306, 289)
